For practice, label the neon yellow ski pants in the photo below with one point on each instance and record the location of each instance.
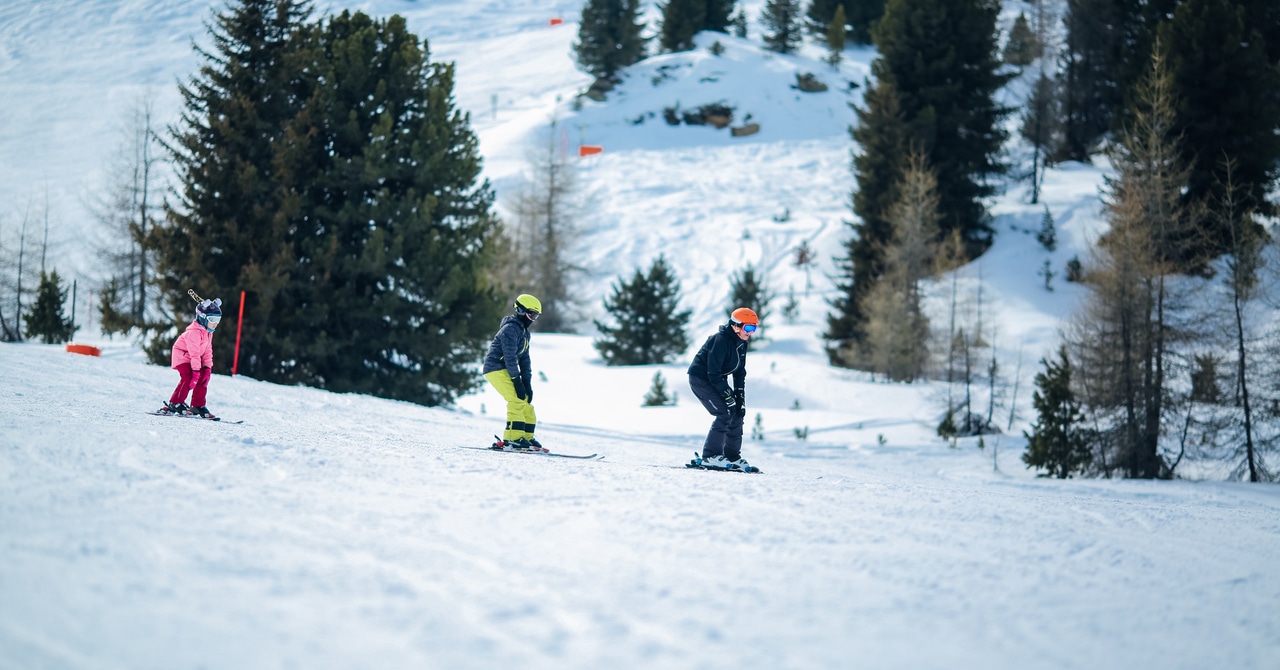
(520, 415)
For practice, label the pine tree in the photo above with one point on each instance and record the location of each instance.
(326, 172)
(783, 25)
(1022, 48)
(818, 15)
(719, 15)
(609, 37)
(881, 137)
(1042, 127)
(393, 242)
(1047, 236)
(940, 57)
(863, 16)
(1057, 443)
(228, 228)
(836, 36)
(650, 324)
(1091, 95)
(681, 20)
(747, 288)
(657, 395)
(1228, 106)
(46, 320)
(934, 90)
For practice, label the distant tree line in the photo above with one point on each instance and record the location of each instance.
(609, 34)
(1182, 97)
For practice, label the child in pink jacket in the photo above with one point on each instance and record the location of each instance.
(193, 359)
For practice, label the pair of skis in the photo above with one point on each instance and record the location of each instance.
(500, 446)
(192, 416)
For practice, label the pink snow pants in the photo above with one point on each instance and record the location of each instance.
(196, 381)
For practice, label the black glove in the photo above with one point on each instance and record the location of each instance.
(528, 386)
(521, 391)
(729, 401)
(741, 397)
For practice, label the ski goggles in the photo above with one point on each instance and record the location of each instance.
(213, 320)
(533, 316)
(749, 328)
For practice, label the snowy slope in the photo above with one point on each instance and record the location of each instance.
(333, 531)
(345, 531)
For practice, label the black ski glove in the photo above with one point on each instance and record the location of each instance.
(730, 402)
(528, 387)
(741, 397)
(521, 391)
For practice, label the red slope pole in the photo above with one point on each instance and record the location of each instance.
(235, 363)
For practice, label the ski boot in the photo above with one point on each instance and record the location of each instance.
(175, 409)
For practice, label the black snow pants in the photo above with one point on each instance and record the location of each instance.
(725, 437)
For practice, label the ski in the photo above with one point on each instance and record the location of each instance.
(529, 451)
(696, 464)
(192, 416)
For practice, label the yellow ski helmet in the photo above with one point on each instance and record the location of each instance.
(527, 303)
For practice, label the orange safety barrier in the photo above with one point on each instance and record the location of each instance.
(84, 349)
(556, 22)
(589, 150)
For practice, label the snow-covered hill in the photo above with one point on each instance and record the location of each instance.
(333, 531)
(345, 531)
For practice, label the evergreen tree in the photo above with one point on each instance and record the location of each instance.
(934, 90)
(228, 229)
(650, 324)
(863, 16)
(45, 319)
(1041, 126)
(818, 15)
(394, 223)
(941, 59)
(719, 15)
(836, 34)
(1228, 106)
(881, 138)
(1022, 48)
(681, 20)
(1091, 96)
(782, 22)
(748, 289)
(1057, 443)
(657, 395)
(325, 171)
(609, 37)
(1047, 236)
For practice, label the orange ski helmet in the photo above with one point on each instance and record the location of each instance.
(743, 316)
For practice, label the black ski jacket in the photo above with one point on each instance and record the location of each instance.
(510, 349)
(722, 355)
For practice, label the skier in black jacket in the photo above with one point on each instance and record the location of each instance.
(724, 354)
(507, 368)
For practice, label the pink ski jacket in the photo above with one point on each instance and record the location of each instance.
(193, 348)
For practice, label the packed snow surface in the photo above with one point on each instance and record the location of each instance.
(346, 531)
